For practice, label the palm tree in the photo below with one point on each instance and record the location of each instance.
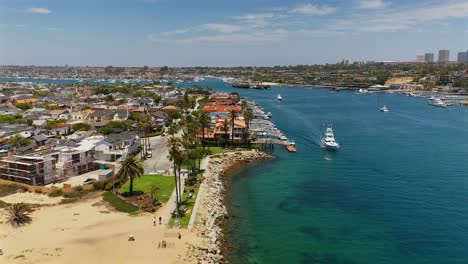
(226, 138)
(175, 155)
(154, 189)
(244, 105)
(19, 214)
(248, 117)
(233, 115)
(132, 168)
(203, 120)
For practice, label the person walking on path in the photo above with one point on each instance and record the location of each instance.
(154, 221)
(180, 236)
(160, 220)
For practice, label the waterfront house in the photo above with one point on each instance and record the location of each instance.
(116, 147)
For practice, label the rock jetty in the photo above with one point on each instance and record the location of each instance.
(212, 210)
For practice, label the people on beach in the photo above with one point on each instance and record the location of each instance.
(160, 220)
(180, 236)
(154, 221)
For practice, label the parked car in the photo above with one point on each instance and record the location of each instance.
(89, 181)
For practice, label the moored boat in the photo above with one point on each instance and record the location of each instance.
(438, 102)
(280, 98)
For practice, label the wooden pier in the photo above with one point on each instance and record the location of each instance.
(270, 143)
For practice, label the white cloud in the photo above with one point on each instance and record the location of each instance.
(260, 16)
(372, 4)
(258, 36)
(224, 28)
(309, 9)
(39, 10)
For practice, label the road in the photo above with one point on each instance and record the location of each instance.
(159, 161)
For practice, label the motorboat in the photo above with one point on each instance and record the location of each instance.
(329, 141)
(280, 98)
(384, 109)
(438, 102)
(269, 114)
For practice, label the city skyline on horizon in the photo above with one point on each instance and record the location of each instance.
(208, 33)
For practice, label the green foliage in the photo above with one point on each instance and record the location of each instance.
(18, 141)
(81, 127)
(461, 83)
(174, 115)
(56, 193)
(6, 189)
(114, 126)
(18, 214)
(119, 204)
(24, 106)
(51, 107)
(13, 119)
(52, 124)
(99, 185)
(117, 181)
(131, 169)
(38, 93)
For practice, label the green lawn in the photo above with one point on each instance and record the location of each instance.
(165, 184)
(213, 150)
(185, 219)
(119, 204)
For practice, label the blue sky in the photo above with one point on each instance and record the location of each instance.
(226, 33)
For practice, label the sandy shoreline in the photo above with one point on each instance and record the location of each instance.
(208, 225)
(89, 232)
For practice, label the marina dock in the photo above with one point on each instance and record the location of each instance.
(267, 135)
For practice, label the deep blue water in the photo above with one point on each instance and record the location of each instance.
(396, 191)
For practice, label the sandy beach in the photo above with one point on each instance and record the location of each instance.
(89, 232)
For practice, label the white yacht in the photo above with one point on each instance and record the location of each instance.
(363, 91)
(269, 114)
(438, 102)
(329, 140)
(279, 97)
(384, 109)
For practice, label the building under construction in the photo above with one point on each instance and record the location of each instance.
(28, 169)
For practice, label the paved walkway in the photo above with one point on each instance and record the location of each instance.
(169, 207)
(203, 167)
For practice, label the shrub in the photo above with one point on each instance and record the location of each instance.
(56, 193)
(68, 200)
(72, 195)
(113, 184)
(38, 190)
(99, 185)
(78, 188)
(119, 204)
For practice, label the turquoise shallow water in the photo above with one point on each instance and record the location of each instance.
(396, 192)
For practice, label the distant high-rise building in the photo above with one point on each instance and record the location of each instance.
(462, 57)
(345, 61)
(444, 56)
(428, 57)
(419, 58)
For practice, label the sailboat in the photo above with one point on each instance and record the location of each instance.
(280, 98)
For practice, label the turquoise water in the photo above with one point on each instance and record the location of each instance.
(396, 192)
